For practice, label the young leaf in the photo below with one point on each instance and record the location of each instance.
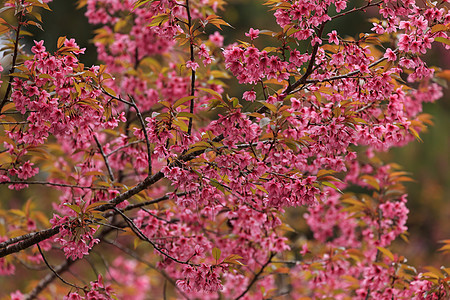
(216, 253)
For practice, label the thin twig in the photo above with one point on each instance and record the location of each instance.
(144, 129)
(56, 273)
(142, 236)
(58, 184)
(115, 97)
(65, 266)
(13, 63)
(148, 264)
(48, 279)
(255, 278)
(140, 204)
(349, 74)
(105, 158)
(192, 58)
(369, 4)
(124, 146)
(14, 123)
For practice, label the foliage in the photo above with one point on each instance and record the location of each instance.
(149, 152)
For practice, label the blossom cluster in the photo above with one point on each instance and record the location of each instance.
(208, 181)
(74, 238)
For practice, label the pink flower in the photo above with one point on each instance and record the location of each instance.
(38, 47)
(340, 5)
(26, 171)
(253, 33)
(216, 39)
(17, 295)
(390, 55)
(377, 28)
(249, 96)
(316, 40)
(333, 37)
(203, 51)
(192, 64)
(304, 249)
(72, 296)
(208, 60)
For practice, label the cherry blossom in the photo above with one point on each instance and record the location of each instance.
(176, 183)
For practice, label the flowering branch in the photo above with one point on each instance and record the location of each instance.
(355, 9)
(309, 69)
(36, 237)
(26, 241)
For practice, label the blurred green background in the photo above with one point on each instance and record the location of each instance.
(428, 162)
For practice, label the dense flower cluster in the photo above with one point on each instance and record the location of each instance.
(142, 164)
(75, 239)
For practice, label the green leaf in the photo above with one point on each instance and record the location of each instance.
(386, 252)
(217, 185)
(439, 27)
(96, 204)
(60, 42)
(416, 134)
(272, 107)
(233, 259)
(159, 20)
(19, 75)
(182, 100)
(324, 172)
(185, 114)
(216, 253)
(372, 181)
(165, 103)
(212, 92)
(442, 40)
(194, 149)
(141, 2)
(74, 207)
(99, 216)
(332, 186)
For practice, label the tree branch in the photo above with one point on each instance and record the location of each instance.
(144, 129)
(309, 70)
(105, 158)
(48, 279)
(255, 278)
(138, 258)
(55, 272)
(13, 63)
(57, 184)
(142, 236)
(192, 58)
(26, 241)
(124, 146)
(369, 4)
